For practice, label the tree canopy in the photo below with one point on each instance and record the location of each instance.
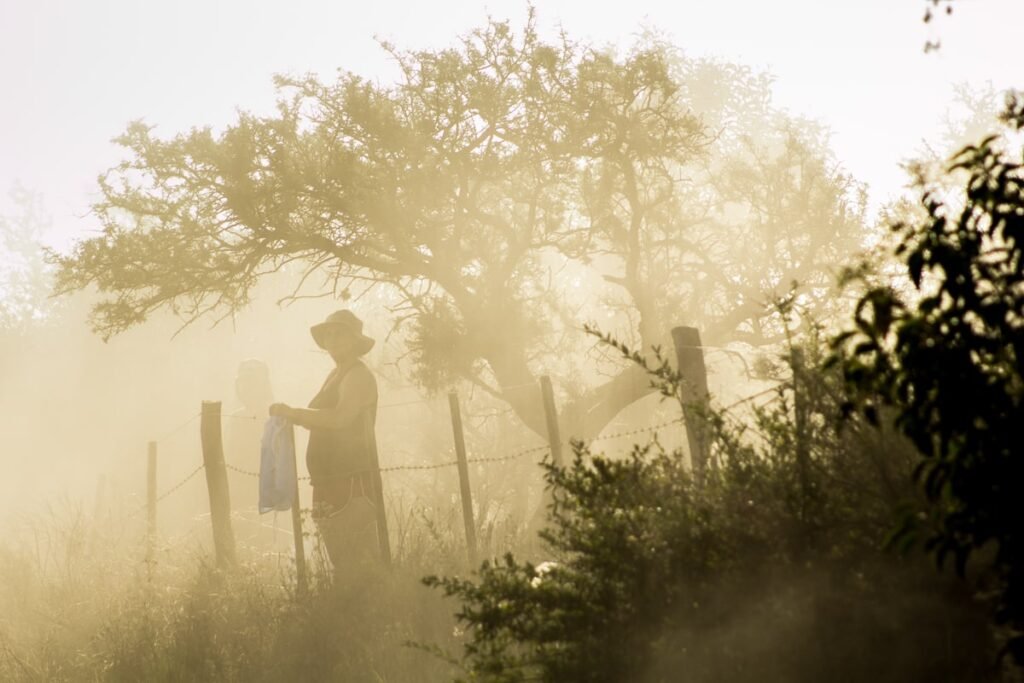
(505, 190)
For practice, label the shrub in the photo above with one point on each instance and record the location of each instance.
(772, 568)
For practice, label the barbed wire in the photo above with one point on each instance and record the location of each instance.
(449, 463)
(244, 417)
(513, 456)
(759, 394)
(181, 483)
(401, 404)
(634, 432)
(177, 429)
(250, 473)
(142, 508)
(234, 468)
(528, 451)
(483, 459)
(433, 466)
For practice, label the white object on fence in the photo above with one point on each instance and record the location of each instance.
(277, 466)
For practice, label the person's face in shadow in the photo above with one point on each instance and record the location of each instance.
(340, 344)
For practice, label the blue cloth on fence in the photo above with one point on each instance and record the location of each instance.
(277, 466)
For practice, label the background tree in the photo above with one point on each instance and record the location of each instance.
(504, 190)
(25, 277)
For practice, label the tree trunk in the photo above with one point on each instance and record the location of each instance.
(583, 418)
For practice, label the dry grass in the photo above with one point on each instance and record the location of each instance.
(78, 602)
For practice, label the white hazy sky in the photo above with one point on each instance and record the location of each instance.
(73, 73)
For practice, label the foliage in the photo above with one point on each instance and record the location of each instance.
(771, 568)
(932, 5)
(487, 190)
(25, 278)
(948, 359)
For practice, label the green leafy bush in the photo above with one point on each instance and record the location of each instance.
(773, 568)
(947, 359)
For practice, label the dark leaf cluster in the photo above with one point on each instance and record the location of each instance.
(947, 360)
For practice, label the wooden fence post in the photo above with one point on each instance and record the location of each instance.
(217, 483)
(690, 362)
(383, 539)
(300, 547)
(551, 416)
(464, 489)
(151, 502)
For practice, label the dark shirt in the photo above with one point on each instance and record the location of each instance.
(337, 453)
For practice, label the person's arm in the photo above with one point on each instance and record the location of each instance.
(357, 390)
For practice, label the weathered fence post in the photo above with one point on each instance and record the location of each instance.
(466, 492)
(690, 362)
(151, 502)
(551, 416)
(217, 483)
(383, 539)
(300, 547)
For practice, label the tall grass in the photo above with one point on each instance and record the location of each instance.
(78, 602)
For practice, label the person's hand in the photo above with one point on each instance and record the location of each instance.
(281, 410)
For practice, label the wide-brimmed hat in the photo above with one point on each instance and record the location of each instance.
(346, 320)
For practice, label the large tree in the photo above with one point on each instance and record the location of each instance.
(468, 188)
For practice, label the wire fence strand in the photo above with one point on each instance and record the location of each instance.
(634, 432)
(759, 394)
(235, 468)
(473, 460)
(478, 460)
(513, 456)
(142, 508)
(179, 484)
(177, 429)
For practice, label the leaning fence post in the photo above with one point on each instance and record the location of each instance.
(551, 416)
(217, 483)
(300, 549)
(151, 502)
(370, 437)
(467, 495)
(694, 393)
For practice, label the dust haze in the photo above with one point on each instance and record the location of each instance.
(548, 342)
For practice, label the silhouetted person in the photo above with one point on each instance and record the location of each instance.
(340, 419)
(252, 388)
(243, 434)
